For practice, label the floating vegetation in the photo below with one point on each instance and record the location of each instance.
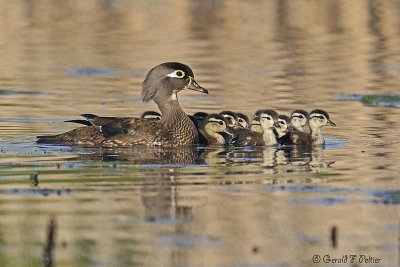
(386, 100)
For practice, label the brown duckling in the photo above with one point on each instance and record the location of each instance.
(215, 129)
(282, 129)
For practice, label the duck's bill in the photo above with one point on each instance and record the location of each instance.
(331, 123)
(193, 85)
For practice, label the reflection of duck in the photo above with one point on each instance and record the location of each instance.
(142, 155)
(162, 84)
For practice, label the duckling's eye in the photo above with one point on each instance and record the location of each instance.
(301, 117)
(221, 123)
(268, 118)
(282, 122)
(241, 120)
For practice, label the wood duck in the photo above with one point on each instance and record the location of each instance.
(300, 128)
(267, 119)
(282, 129)
(243, 120)
(318, 119)
(162, 84)
(215, 129)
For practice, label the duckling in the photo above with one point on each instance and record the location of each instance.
(151, 115)
(267, 137)
(268, 118)
(318, 119)
(214, 126)
(243, 120)
(255, 125)
(282, 130)
(162, 84)
(199, 117)
(300, 128)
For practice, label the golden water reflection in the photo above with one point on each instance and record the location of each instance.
(209, 206)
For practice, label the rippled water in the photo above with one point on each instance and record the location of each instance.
(207, 206)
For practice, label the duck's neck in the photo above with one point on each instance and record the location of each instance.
(219, 139)
(171, 110)
(269, 137)
(316, 136)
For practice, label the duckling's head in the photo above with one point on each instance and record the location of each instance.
(243, 120)
(282, 125)
(164, 81)
(255, 125)
(231, 118)
(320, 118)
(215, 123)
(299, 119)
(151, 115)
(268, 117)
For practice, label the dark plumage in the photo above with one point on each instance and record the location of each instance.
(162, 84)
(282, 130)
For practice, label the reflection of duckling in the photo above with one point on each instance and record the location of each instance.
(243, 120)
(300, 128)
(267, 137)
(214, 125)
(318, 119)
(282, 130)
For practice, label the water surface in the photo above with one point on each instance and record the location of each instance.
(204, 206)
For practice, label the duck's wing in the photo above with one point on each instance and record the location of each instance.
(86, 136)
(111, 126)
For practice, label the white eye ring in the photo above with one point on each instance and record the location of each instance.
(177, 74)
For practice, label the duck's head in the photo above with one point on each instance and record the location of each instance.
(164, 81)
(320, 118)
(268, 117)
(243, 120)
(282, 125)
(231, 117)
(255, 125)
(299, 119)
(216, 123)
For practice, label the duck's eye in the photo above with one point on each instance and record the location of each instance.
(177, 74)
(241, 120)
(221, 123)
(301, 117)
(282, 122)
(180, 74)
(268, 118)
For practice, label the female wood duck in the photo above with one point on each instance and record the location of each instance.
(162, 84)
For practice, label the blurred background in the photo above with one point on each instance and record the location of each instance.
(59, 59)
